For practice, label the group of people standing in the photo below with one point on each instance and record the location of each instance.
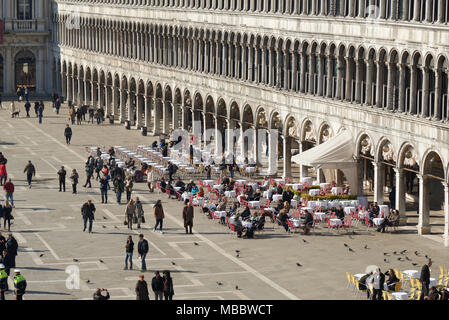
(78, 114)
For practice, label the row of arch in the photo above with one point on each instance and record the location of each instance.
(407, 10)
(406, 81)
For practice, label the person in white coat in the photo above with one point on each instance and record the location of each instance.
(150, 179)
(13, 109)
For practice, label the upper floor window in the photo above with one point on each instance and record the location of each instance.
(24, 10)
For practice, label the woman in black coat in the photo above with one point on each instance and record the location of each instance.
(7, 209)
(142, 289)
(168, 286)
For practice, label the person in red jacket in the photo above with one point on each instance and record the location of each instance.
(9, 189)
(3, 174)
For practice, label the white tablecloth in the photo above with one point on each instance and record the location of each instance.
(363, 214)
(230, 194)
(337, 190)
(295, 186)
(294, 204)
(399, 295)
(177, 188)
(277, 197)
(246, 224)
(280, 181)
(359, 275)
(325, 185)
(267, 194)
(308, 180)
(208, 182)
(348, 210)
(240, 182)
(335, 222)
(310, 209)
(411, 273)
(433, 282)
(254, 204)
(218, 186)
(198, 201)
(250, 169)
(314, 192)
(242, 196)
(220, 214)
(320, 215)
(186, 195)
(378, 221)
(296, 222)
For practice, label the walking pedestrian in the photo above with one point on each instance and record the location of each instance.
(57, 105)
(36, 108)
(157, 285)
(425, 279)
(142, 289)
(119, 187)
(9, 189)
(139, 213)
(20, 284)
(158, 215)
(27, 108)
(187, 216)
(87, 211)
(142, 249)
(68, 134)
(7, 210)
(129, 187)
(61, 175)
(89, 172)
(104, 187)
(129, 253)
(40, 112)
(79, 116)
(30, 171)
(12, 109)
(91, 114)
(74, 177)
(168, 286)
(72, 115)
(3, 174)
(130, 213)
(12, 247)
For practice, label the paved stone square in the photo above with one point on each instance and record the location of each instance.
(49, 222)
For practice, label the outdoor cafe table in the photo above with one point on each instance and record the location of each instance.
(294, 204)
(246, 224)
(308, 180)
(378, 221)
(198, 201)
(345, 203)
(218, 186)
(267, 194)
(296, 222)
(277, 197)
(325, 185)
(250, 169)
(230, 194)
(220, 214)
(337, 190)
(314, 192)
(280, 181)
(411, 274)
(399, 295)
(335, 222)
(363, 214)
(306, 208)
(240, 182)
(208, 182)
(254, 204)
(320, 215)
(186, 195)
(359, 275)
(348, 210)
(177, 188)
(295, 186)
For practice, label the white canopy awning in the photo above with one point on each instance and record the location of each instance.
(336, 153)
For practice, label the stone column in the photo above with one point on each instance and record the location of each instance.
(446, 214)
(401, 106)
(379, 176)
(348, 94)
(165, 118)
(440, 11)
(405, 4)
(330, 75)
(390, 89)
(320, 75)
(379, 84)
(140, 105)
(229, 137)
(122, 105)
(417, 9)
(425, 93)
(311, 74)
(413, 90)
(424, 214)
(287, 157)
(438, 96)
(175, 116)
(302, 78)
(358, 81)
(369, 82)
(361, 8)
(107, 110)
(69, 89)
(351, 8)
(272, 152)
(157, 116)
(339, 78)
(429, 10)
(130, 115)
(294, 71)
(400, 195)
(382, 9)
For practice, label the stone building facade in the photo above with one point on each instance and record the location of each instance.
(25, 48)
(306, 68)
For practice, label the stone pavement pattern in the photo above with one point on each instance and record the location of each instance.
(49, 222)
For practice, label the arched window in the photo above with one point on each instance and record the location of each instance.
(25, 70)
(24, 10)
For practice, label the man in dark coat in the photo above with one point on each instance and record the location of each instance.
(61, 175)
(68, 134)
(27, 108)
(142, 249)
(36, 108)
(87, 211)
(425, 279)
(378, 281)
(142, 289)
(7, 261)
(12, 246)
(187, 216)
(157, 284)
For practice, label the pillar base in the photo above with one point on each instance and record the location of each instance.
(423, 230)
